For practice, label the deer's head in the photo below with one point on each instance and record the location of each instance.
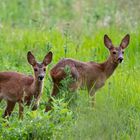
(39, 68)
(116, 53)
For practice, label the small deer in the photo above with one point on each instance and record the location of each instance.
(91, 75)
(19, 88)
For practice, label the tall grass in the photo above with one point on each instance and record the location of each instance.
(73, 29)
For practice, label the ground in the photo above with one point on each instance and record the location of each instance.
(74, 29)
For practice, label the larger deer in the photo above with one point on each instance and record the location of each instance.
(92, 75)
(16, 87)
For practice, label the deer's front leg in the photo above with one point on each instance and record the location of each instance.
(92, 92)
(93, 88)
(9, 108)
(21, 108)
(36, 102)
(0, 99)
(55, 91)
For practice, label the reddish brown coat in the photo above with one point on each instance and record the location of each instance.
(91, 75)
(16, 87)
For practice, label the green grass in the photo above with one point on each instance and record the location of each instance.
(41, 26)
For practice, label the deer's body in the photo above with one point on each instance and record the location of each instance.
(87, 74)
(90, 75)
(19, 88)
(24, 86)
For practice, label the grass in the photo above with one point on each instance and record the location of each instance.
(78, 34)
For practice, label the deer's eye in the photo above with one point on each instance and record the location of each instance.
(35, 69)
(44, 69)
(123, 52)
(114, 52)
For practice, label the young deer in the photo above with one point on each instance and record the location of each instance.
(16, 87)
(91, 75)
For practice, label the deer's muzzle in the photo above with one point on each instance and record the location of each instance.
(120, 59)
(40, 77)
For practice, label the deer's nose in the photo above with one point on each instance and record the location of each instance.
(120, 59)
(40, 77)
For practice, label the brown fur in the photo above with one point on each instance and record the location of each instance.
(91, 75)
(16, 87)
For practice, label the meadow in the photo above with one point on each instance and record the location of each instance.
(74, 29)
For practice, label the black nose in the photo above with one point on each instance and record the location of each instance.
(41, 77)
(120, 59)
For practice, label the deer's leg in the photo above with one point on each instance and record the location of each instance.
(36, 102)
(55, 91)
(0, 99)
(92, 94)
(75, 75)
(28, 100)
(92, 89)
(21, 108)
(73, 86)
(9, 108)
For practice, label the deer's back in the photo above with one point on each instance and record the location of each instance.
(69, 62)
(87, 71)
(13, 84)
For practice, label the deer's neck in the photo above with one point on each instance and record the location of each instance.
(109, 67)
(37, 87)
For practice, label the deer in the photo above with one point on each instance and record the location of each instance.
(19, 88)
(91, 75)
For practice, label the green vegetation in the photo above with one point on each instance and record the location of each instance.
(73, 28)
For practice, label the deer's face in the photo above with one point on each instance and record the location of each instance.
(39, 68)
(116, 53)
(39, 71)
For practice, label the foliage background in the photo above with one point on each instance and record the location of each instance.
(73, 28)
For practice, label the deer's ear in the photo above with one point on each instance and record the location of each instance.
(108, 42)
(31, 58)
(125, 41)
(47, 58)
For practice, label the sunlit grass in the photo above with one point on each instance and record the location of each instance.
(76, 32)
